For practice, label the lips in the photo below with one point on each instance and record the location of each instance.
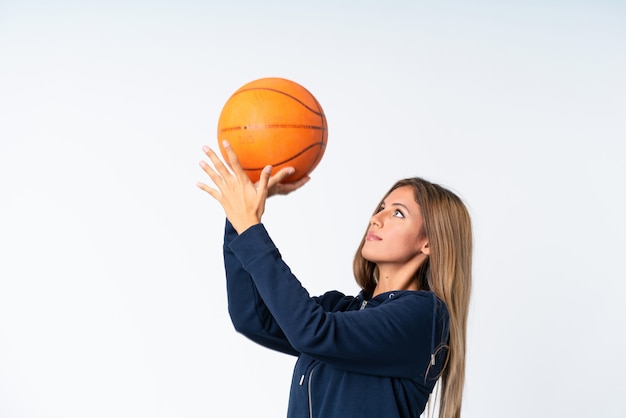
(372, 237)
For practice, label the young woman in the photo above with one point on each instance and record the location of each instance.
(377, 354)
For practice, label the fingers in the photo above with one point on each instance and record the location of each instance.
(233, 161)
(262, 189)
(211, 191)
(224, 176)
(222, 170)
(290, 187)
(220, 173)
(286, 188)
(215, 177)
(298, 183)
(281, 175)
(265, 179)
(242, 201)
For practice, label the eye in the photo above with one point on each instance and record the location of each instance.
(380, 208)
(398, 213)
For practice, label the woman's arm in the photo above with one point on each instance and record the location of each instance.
(248, 312)
(244, 204)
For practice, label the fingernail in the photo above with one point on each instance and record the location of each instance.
(225, 143)
(291, 170)
(205, 148)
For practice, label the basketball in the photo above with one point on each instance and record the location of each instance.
(277, 122)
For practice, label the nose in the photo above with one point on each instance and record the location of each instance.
(375, 221)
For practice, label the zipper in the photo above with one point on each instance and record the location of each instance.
(309, 390)
(309, 383)
(306, 370)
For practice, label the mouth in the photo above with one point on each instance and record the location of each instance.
(372, 237)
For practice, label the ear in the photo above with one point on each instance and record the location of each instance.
(425, 248)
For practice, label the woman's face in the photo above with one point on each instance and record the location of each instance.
(395, 232)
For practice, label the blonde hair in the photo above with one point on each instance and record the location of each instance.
(447, 272)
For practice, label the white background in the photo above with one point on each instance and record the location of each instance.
(112, 294)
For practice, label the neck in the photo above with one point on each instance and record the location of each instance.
(393, 281)
(393, 277)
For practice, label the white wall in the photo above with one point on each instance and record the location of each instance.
(112, 296)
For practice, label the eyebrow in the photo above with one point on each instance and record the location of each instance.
(402, 205)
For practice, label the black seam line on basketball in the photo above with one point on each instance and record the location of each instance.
(317, 112)
(250, 127)
(320, 144)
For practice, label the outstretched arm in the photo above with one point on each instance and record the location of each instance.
(244, 205)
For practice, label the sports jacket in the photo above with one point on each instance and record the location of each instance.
(357, 356)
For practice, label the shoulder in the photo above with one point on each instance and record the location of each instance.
(336, 301)
(424, 301)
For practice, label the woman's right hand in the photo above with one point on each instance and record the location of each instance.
(243, 202)
(275, 187)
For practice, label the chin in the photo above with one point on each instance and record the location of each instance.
(367, 256)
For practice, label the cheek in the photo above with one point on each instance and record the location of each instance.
(407, 240)
(410, 243)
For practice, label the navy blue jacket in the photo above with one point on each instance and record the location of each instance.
(357, 357)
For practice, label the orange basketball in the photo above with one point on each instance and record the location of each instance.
(277, 122)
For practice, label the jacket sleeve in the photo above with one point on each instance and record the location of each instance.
(391, 339)
(248, 312)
